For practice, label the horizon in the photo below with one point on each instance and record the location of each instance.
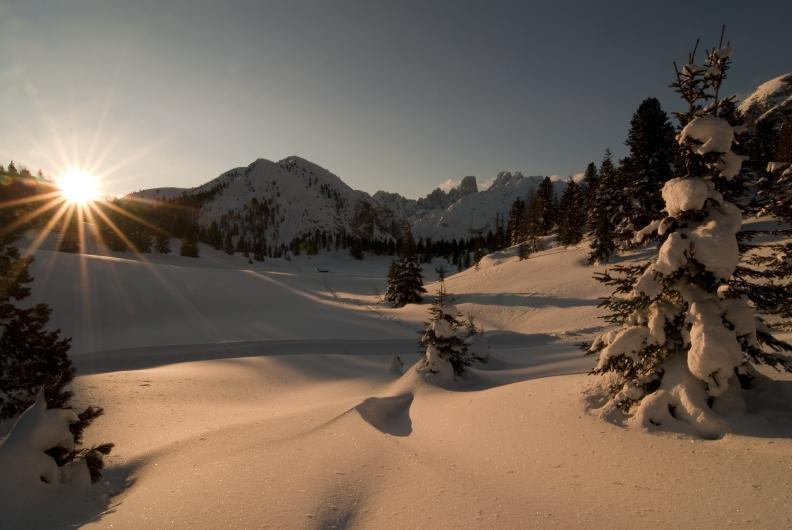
(402, 98)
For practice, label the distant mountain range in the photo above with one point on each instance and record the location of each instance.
(286, 199)
(283, 200)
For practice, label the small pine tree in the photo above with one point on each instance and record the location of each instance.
(189, 245)
(406, 287)
(446, 352)
(69, 240)
(391, 292)
(689, 331)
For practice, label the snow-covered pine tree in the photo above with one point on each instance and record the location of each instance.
(688, 325)
(571, 215)
(446, 352)
(647, 167)
(393, 280)
(35, 360)
(406, 287)
(602, 212)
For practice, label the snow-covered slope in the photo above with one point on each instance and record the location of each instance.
(290, 415)
(771, 100)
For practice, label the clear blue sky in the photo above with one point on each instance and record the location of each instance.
(398, 95)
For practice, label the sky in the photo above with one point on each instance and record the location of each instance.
(400, 95)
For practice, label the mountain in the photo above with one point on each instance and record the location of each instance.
(281, 201)
(463, 211)
(438, 199)
(771, 100)
(476, 212)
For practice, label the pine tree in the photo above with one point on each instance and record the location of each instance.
(547, 205)
(689, 334)
(601, 214)
(571, 215)
(391, 291)
(589, 185)
(189, 245)
(69, 240)
(516, 224)
(648, 166)
(446, 352)
(533, 225)
(34, 359)
(408, 286)
(162, 243)
(228, 244)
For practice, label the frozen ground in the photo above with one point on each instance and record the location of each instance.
(262, 396)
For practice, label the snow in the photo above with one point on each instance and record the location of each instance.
(683, 194)
(269, 395)
(31, 480)
(715, 134)
(714, 350)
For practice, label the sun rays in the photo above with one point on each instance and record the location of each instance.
(78, 186)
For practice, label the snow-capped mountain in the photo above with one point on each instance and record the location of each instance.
(477, 212)
(771, 100)
(280, 201)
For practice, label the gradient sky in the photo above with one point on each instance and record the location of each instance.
(397, 95)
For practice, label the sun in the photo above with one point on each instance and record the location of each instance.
(78, 186)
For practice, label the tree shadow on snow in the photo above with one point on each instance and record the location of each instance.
(522, 300)
(768, 411)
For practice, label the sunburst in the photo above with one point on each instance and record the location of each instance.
(78, 186)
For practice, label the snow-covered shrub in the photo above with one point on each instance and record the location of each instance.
(446, 350)
(688, 323)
